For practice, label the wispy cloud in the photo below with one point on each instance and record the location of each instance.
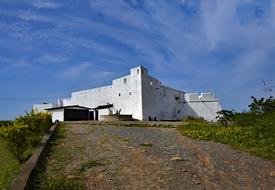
(31, 16)
(75, 71)
(27, 15)
(213, 46)
(112, 9)
(50, 58)
(45, 4)
(22, 64)
(196, 45)
(86, 73)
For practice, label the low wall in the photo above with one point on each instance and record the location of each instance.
(27, 170)
(116, 118)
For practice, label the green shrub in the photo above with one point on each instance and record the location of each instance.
(37, 122)
(194, 119)
(207, 131)
(257, 137)
(263, 105)
(25, 133)
(17, 137)
(5, 123)
(264, 126)
(244, 119)
(258, 109)
(253, 131)
(225, 117)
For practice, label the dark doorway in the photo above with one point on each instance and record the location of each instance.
(75, 115)
(91, 115)
(96, 114)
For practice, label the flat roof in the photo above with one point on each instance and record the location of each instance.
(77, 107)
(103, 106)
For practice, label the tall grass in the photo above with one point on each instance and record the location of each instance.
(252, 131)
(9, 166)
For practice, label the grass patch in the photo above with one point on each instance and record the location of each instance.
(61, 183)
(250, 138)
(252, 131)
(57, 156)
(9, 166)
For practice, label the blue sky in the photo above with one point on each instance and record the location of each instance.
(49, 48)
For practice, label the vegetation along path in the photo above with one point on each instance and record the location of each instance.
(91, 156)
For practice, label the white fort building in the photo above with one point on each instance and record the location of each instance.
(137, 94)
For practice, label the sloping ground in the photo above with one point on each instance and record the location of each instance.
(9, 166)
(108, 157)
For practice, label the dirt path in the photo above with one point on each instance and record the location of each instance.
(157, 158)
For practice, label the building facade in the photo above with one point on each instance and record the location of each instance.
(145, 98)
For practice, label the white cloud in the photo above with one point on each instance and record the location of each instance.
(31, 16)
(206, 43)
(45, 4)
(86, 73)
(21, 64)
(71, 72)
(120, 10)
(217, 19)
(49, 58)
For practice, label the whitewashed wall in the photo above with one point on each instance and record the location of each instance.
(103, 112)
(143, 96)
(202, 105)
(124, 94)
(127, 94)
(161, 102)
(57, 114)
(165, 103)
(90, 98)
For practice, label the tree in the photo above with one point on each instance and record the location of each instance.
(225, 117)
(18, 139)
(25, 133)
(263, 105)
